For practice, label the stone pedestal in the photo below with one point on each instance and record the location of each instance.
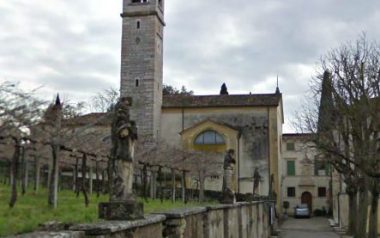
(228, 193)
(124, 210)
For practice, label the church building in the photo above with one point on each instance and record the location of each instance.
(249, 124)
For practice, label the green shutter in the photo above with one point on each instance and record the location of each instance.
(291, 168)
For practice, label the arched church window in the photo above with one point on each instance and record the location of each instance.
(209, 137)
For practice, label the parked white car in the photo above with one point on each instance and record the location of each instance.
(302, 211)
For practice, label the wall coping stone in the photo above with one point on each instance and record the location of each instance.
(108, 227)
(183, 212)
(56, 234)
(238, 204)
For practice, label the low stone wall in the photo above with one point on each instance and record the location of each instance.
(240, 220)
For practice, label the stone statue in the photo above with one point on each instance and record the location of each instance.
(256, 180)
(123, 204)
(124, 136)
(229, 163)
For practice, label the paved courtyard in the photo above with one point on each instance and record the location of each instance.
(315, 227)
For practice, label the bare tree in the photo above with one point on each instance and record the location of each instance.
(105, 100)
(348, 128)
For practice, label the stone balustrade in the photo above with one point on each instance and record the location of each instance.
(240, 220)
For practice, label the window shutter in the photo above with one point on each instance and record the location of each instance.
(291, 168)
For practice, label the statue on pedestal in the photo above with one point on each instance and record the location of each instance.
(229, 163)
(123, 204)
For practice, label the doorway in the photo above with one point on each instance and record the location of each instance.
(307, 198)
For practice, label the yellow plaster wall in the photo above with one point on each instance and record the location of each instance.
(230, 137)
(275, 134)
(172, 125)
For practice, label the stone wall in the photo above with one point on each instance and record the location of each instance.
(241, 220)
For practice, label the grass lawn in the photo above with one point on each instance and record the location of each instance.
(32, 210)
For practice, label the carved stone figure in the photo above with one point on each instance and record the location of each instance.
(124, 136)
(123, 204)
(228, 192)
(256, 180)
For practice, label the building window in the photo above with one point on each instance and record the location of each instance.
(321, 191)
(321, 167)
(291, 168)
(291, 192)
(290, 146)
(137, 82)
(138, 24)
(209, 137)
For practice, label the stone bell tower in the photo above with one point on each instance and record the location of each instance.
(142, 63)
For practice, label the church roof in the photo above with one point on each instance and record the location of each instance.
(96, 118)
(247, 100)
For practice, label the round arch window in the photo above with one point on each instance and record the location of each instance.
(209, 137)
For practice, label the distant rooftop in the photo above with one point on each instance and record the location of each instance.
(246, 100)
(97, 118)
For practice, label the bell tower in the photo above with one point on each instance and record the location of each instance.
(142, 63)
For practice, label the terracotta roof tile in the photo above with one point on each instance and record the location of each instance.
(179, 101)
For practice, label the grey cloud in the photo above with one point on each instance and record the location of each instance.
(243, 43)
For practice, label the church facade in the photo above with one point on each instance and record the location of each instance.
(249, 124)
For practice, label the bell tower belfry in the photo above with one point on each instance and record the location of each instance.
(142, 63)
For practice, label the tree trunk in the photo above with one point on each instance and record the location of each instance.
(84, 170)
(54, 177)
(160, 184)
(362, 218)
(6, 173)
(73, 180)
(184, 186)
(10, 173)
(201, 186)
(104, 184)
(60, 183)
(173, 186)
(110, 175)
(352, 212)
(14, 170)
(23, 171)
(144, 181)
(90, 180)
(97, 179)
(77, 185)
(37, 171)
(372, 232)
(153, 184)
(50, 169)
(26, 174)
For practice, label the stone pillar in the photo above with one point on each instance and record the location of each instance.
(228, 192)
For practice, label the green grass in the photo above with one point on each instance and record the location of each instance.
(32, 210)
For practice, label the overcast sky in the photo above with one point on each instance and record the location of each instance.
(73, 46)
